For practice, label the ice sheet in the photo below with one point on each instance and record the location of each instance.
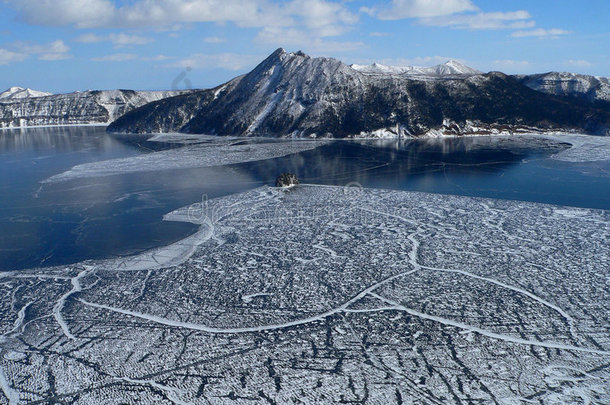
(218, 153)
(584, 148)
(326, 294)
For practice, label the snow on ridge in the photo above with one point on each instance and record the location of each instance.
(18, 93)
(451, 67)
(569, 84)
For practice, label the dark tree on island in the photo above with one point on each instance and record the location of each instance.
(286, 180)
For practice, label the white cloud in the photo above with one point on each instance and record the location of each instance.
(116, 57)
(156, 58)
(89, 38)
(512, 66)
(312, 20)
(56, 50)
(293, 37)
(484, 21)
(315, 14)
(7, 56)
(579, 63)
(54, 56)
(118, 40)
(540, 32)
(510, 62)
(379, 34)
(82, 13)
(321, 17)
(123, 57)
(214, 40)
(400, 9)
(461, 14)
(228, 61)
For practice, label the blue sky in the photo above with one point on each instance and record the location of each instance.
(68, 45)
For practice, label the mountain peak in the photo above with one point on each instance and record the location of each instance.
(454, 62)
(278, 53)
(16, 92)
(279, 57)
(454, 67)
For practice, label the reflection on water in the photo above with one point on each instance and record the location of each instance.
(509, 168)
(122, 214)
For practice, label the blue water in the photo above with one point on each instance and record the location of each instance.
(59, 223)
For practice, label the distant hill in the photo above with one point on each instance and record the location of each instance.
(25, 107)
(449, 68)
(592, 88)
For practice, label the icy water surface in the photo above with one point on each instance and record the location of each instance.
(70, 194)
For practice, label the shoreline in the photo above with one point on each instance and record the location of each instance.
(382, 133)
(175, 253)
(54, 126)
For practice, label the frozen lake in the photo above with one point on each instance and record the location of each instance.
(112, 203)
(173, 274)
(325, 295)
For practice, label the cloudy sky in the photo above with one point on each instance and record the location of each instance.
(67, 45)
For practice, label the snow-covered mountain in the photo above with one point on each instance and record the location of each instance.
(588, 87)
(449, 68)
(25, 107)
(16, 93)
(292, 94)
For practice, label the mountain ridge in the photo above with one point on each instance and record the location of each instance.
(450, 67)
(293, 94)
(592, 88)
(81, 107)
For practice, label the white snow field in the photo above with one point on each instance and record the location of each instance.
(326, 295)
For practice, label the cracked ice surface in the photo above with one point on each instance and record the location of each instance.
(326, 295)
(199, 151)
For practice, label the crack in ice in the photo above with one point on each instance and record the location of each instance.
(172, 393)
(485, 332)
(536, 298)
(59, 305)
(11, 394)
(248, 329)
